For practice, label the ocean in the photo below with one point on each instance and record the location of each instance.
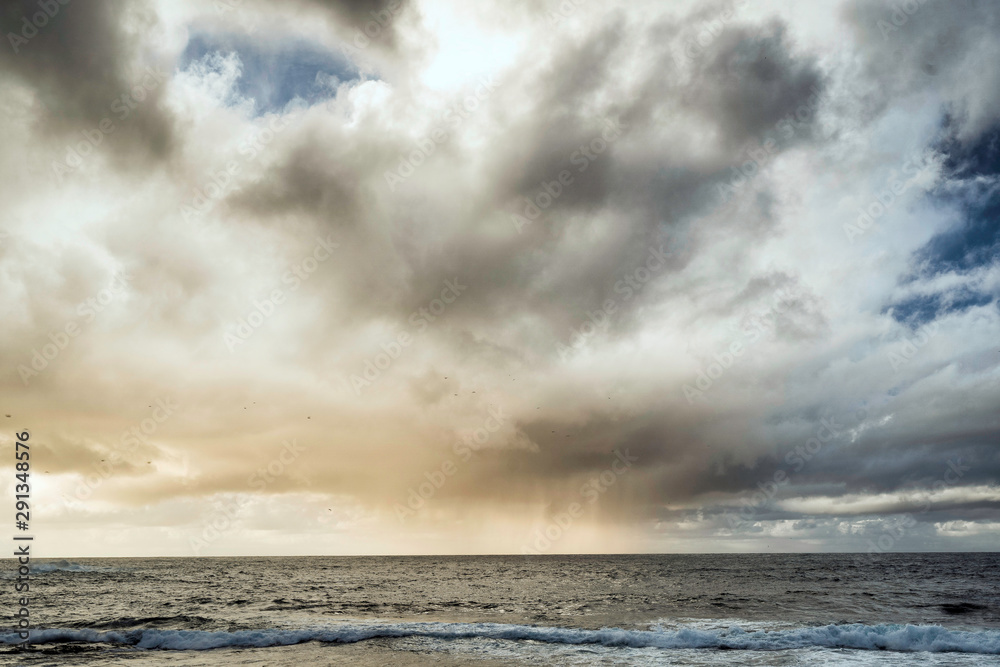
(708, 609)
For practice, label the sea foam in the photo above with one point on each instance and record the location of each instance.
(853, 636)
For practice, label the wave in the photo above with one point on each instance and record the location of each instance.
(67, 566)
(905, 638)
(58, 566)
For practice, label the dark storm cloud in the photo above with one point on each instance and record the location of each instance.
(313, 179)
(644, 198)
(725, 257)
(930, 46)
(359, 10)
(81, 63)
(906, 455)
(748, 83)
(751, 81)
(375, 19)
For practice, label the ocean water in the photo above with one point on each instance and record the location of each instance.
(763, 609)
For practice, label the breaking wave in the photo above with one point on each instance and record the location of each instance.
(903, 638)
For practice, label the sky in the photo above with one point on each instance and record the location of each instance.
(440, 277)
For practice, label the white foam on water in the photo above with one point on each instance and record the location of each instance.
(904, 638)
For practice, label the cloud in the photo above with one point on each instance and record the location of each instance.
(617, 240)
(82, 66)
(890, 503)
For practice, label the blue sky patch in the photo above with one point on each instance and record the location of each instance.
(969, 245)
(919, 310)
(274, 73)
(976, 241)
